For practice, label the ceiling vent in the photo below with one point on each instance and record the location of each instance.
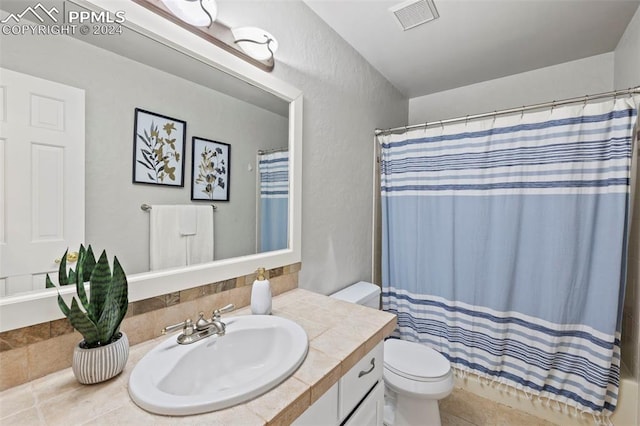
(412, 13)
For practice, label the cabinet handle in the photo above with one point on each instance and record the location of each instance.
(365, 372)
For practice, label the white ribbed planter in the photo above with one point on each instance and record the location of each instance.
(96, 365)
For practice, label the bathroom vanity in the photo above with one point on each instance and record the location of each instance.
(340, 379)
(357, 398)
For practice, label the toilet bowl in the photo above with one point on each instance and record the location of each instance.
(415, 376)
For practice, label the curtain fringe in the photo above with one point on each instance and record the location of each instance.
(542, 399)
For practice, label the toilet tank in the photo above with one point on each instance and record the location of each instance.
(362, 293)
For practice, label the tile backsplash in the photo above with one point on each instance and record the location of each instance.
(35, 351)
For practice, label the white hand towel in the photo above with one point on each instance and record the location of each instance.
(188, 220)
(200, 245)
(166, 246)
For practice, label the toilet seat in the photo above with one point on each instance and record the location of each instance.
(414, 361)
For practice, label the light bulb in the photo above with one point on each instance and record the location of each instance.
(199, 13)
(255, 42)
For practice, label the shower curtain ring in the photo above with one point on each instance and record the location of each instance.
(466, 121)
(553, 105)
(586, 99)
(522, 112)
(442, 124)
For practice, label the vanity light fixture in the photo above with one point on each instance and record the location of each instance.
(255, 42)
(252, 44)
(200, 13)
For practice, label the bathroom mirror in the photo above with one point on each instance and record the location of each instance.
(236, 90)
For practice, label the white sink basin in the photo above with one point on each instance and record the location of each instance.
(257, 353)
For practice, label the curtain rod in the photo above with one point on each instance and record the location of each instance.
(271, 151)
(585, 99)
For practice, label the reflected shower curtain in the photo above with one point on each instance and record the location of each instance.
(273, 169)
(504, 246)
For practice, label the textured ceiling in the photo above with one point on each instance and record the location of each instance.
(475, 41)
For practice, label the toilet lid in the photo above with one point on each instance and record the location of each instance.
(414, 360)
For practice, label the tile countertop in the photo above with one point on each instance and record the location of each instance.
(340, 334)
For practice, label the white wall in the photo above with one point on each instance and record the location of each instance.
(114, 87)
(345, 99)
(627, 56)
(571, 79)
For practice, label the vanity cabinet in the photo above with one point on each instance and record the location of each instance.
(371, 410)
(323, 412)
(357, 398)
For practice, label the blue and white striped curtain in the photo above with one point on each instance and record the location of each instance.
(504, 246)
(273, 169)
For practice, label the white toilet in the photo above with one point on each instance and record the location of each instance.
(415, 376)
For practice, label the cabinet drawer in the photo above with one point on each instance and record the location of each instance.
(359, 379)
(370, 412)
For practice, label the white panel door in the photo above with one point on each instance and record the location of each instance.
(41, 177)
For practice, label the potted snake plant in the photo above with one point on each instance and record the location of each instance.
(103, 352)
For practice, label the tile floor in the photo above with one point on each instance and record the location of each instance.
(463, 408)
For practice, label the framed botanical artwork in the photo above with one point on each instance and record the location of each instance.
(211, 170)
(158, 149)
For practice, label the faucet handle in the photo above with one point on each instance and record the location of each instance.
(186, 326)
(202, 323)
(230, 307)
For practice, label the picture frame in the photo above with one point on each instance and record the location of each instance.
(211, 170)
(159, 143)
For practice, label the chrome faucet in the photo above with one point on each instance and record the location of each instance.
(203, 328)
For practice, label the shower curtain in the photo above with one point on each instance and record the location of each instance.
(273, 170)
(504, 246)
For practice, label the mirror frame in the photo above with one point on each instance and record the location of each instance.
(41, 306)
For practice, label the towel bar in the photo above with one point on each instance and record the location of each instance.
(147, 207)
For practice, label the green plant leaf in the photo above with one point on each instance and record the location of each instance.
(63, 306)
(48, 283)
(120, 289)
(116, 304)
(62, 270)
(99, 285)
(61, 303)
(81, 322)
(79, 279)
(108, 322)
(89, 264)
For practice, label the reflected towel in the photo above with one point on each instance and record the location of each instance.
(188, 216)
(166, 246)
(200, 246)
